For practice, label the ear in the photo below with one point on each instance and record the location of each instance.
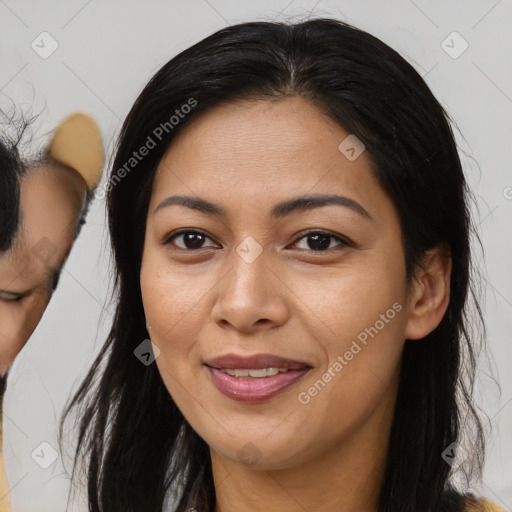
(429, 294)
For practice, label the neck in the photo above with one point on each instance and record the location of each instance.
(347, 478)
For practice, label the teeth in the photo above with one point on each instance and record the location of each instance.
(257, 373)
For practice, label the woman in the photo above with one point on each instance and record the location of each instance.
(290, 226)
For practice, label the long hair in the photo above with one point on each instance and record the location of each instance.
(135, 444)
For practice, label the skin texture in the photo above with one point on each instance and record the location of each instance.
(290, 301)
(51, 200)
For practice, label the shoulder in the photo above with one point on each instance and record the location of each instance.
(474, 504)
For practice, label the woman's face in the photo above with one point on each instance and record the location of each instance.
(247, 282)
(51, 200)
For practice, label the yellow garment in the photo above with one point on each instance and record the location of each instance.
(5, 491)
(480, 505)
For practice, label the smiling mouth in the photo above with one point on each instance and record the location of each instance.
(253, 373)
(254, 378)
(255, 385)
(255, 363)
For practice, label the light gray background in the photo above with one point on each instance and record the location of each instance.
(107, 52)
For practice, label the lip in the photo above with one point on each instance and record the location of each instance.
(234, 361)
(245, 389)
(252, 390)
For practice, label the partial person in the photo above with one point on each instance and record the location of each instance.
(44, 204)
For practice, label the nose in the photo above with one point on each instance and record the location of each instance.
(251, 296)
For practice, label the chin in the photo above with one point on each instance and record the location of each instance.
(261, 454)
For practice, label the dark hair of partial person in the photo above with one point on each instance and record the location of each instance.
(11, 169)
(136, 447)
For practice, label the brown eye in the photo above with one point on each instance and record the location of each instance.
(190, 239)
(320, 241)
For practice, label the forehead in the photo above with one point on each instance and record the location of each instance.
(266, 134)
(49, 210)
(264, 150)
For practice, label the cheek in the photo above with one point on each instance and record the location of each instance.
(358, 317)
(361, 353)
(11, 332)
(347, 302)
(173, 306)
(34, 311)
(19, 322)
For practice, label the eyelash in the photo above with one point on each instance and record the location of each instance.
(17, 299)
(343, 241)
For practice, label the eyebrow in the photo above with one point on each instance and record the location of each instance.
(280, 210)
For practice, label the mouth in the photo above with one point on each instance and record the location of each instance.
(254, 362)
(253, 373)
(255, 378)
